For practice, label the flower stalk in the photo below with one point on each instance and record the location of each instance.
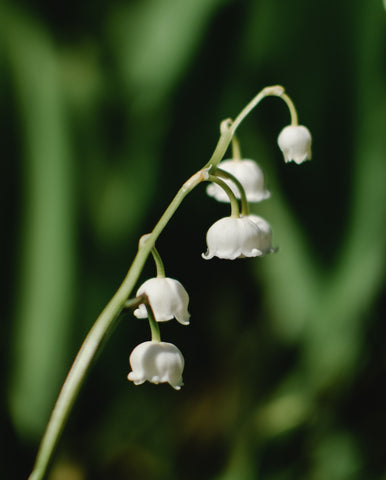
(243, 197)
(291, 108)
(235, 212)
(228, 127)
(107, 320)
(158, 263)
(102, 326)
(236, 151)
(154, 328)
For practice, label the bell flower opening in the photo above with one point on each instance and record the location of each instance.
(168, 300)
(249, 174)
(231, 238)
(295, 143)
(156, 362)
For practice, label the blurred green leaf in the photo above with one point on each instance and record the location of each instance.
(47, 257)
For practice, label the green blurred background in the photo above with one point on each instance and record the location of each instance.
(106, 109)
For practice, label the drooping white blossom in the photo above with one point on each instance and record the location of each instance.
(266, 234)
(295, 143)
(248, 173)
(156, 362)
(167, 298)
(232, 237)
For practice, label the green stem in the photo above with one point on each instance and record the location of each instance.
(243, 197)
(291, 107)
(154, 328)
(228, 128)
(107, 319)
(74, 380)
(276, 91)
(236, 152)
(158, 263)
(235, 212)
(156, 256)
(98, 332)
(222, 144)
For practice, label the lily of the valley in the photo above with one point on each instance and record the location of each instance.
(295, 143)
(248, 173)
(232, 237)
(156, 362)
(168, 299)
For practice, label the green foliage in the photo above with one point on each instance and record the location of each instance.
(105, 112)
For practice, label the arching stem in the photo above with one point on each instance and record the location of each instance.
(228, 128)
(243, 197)
(109, 316)
(154, 328)
(236, 151)
(291, 107)
(235, 212)
(99, 331)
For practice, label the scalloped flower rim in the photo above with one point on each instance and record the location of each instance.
(230, 238)
(156, 362)
(295, 143)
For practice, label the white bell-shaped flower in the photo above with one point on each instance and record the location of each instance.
(295, 143)
(231, 238)
(248, 173)
(156, 362)
(266, 234)
(168, 299)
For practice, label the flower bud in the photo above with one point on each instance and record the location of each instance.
(167, 298)
(156, 362)
(295, 143)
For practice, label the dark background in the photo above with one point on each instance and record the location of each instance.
(106, 108)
